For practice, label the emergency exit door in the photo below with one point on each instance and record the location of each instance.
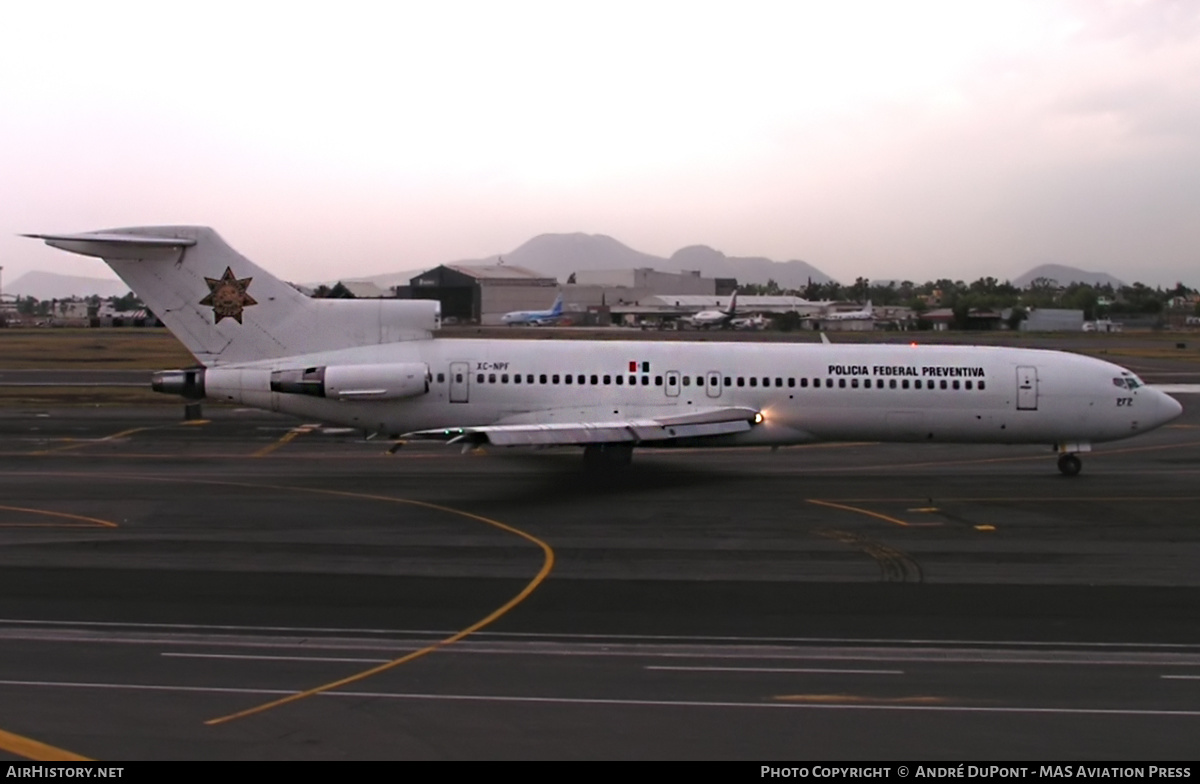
(460, 382)
(1027, 389)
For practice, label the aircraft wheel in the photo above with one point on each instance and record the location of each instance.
(1069, 464)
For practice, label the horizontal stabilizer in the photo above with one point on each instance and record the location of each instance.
(113, 245)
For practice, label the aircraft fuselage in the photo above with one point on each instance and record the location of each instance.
(806, 392)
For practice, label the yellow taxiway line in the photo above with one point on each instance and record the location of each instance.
(89, 442)
(85, 522)
(36, 750)
(543, 573)
(288, 437)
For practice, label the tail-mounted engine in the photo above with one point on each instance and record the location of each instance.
(355, 382)
(188, 383)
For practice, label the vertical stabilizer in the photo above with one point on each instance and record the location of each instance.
(226, 309)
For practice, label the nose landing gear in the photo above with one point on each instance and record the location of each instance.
(1069, 464)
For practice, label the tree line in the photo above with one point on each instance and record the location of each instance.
(987, 293)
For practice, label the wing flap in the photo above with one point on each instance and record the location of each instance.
(695, 424)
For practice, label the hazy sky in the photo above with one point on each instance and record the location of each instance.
(892, 140)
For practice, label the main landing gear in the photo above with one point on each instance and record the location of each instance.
(1069, 464)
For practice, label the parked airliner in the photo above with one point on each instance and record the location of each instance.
(715, 318)
(868, 311)
(376, 365)
(535, 318)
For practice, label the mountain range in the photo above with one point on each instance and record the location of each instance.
(1065, 276)
(559, 255)
(51, 285)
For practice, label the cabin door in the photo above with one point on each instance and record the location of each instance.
(1027, 389)
(460, 382)
(713, 387)
(672, 386)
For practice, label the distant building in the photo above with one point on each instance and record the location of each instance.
(651, 281)
(361, 289)
(1053, 320)
(483, 294)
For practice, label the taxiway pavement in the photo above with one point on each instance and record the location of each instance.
(850, 601)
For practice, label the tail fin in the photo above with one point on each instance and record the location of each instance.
(226, 309)
(733, 303)
(556, 308)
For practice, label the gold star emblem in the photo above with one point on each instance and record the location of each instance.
(227, 296)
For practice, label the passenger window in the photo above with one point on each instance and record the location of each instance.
(504, 379)
(479, 378)
(943, 383)
(967, 384)
(904, 383)
(687, 381)
(741, 381)
(516, 378)
(567, 378)
(620, 380)
(608, 379)
(753, 381)
(778, 382)
(595, 380)
(829, 383)
(658, 381)
(841, 383)
(891, 383)
(981, 387)
(916, 384)
(581, 379)
(441, 377)
(803, 383)
(542, 378)
(791, 382)
(955, 383)
(458, 378)
(645, 381)
(728, 381)
(854, 383)
(491, 378)
(766, 382)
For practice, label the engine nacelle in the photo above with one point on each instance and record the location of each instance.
(355, 382)
(187, 383)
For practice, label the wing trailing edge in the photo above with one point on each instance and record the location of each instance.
(694, 424)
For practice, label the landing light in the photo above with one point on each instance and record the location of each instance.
(758, 418)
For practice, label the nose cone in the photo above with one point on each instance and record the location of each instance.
(1167, 408)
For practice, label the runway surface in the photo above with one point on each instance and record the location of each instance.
(851, 601)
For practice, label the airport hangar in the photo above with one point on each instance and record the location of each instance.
(483, 294)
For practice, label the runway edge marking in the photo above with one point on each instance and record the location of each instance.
(530, 587)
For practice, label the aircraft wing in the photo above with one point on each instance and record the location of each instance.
(552, 431)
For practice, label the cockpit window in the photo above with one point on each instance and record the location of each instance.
(1128, 382)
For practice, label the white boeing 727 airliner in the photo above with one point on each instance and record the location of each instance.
(375, 365)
